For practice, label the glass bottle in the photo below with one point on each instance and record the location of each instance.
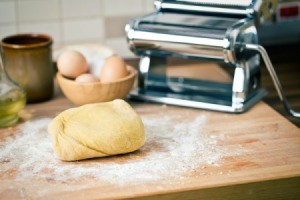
(12, 98)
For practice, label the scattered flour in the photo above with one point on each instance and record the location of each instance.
(170, 152)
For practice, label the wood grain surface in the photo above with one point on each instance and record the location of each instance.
(266, 167)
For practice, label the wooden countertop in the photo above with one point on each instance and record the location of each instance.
(258, 158)
(267, 168)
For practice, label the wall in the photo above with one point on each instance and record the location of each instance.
(100, 21)
(73, 21)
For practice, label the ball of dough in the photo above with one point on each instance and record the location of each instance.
(96, 130)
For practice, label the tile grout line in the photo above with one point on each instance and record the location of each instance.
(17, 22)
(61, 24)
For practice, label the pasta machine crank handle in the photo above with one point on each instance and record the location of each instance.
(273, 75)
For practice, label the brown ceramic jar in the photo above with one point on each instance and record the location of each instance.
(28, 60)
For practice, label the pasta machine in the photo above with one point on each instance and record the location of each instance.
(215, 30)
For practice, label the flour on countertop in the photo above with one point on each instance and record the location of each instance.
(170, 151)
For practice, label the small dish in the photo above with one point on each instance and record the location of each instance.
(84, 93)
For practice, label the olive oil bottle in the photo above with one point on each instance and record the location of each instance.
(12, 99)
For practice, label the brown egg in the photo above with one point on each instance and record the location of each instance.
(71, 64)
(86, 78)
(113, 69)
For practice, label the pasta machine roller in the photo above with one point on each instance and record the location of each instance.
(212, 30)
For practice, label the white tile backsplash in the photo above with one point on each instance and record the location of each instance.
(117, 8)
(37, 10)
(6, 30)
(80, 8)
(149, 6)
(73, 21)
(120, 46)
(7, 12)
(82, 30)
(50, 28)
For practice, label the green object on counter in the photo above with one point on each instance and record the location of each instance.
(12, 99)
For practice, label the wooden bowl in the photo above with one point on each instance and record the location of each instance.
(84, 93)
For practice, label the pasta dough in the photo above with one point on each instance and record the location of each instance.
(96, 130)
